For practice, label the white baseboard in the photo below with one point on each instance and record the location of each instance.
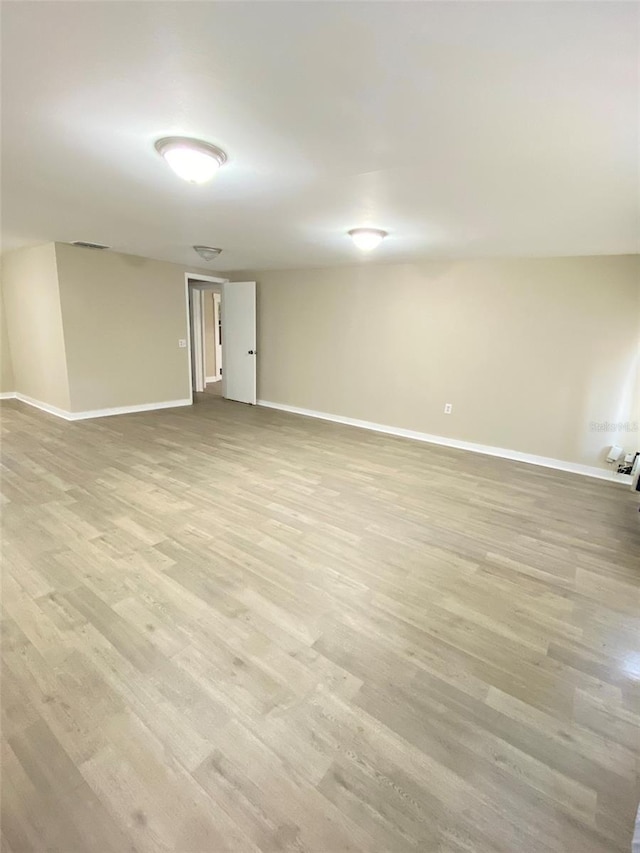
(100, 413)
(487, 450)
(208, 379)
(45, 407)
(7, 395)
(127, 410)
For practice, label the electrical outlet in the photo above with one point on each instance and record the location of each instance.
(448, 408)
(182, 343)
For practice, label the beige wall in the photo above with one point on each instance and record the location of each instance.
(529, 352)
(34, 322)
(7, 382)
(123, 316)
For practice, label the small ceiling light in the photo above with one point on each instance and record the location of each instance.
(193, 160)
(367, 238)
(207, 252)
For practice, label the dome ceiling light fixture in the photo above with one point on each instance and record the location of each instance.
(367, 238)
(191, 159)
(207, 252)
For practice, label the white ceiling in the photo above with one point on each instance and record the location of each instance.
(464, 129)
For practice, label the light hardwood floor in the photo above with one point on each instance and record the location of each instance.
(232, 629)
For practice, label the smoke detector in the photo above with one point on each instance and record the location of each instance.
(84, 245)
(208, 253)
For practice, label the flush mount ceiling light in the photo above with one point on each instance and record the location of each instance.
(367, 238)
(207, 252)
(193, 160)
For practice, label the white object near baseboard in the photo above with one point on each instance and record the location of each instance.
(97, 413)
(487, 450)
(614, 453)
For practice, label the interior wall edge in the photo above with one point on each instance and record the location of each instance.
(33, 324)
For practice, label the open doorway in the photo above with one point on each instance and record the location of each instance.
(205, 327)
(222, 338)
(213, 338)
(212, 349)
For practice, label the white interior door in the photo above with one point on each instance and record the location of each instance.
(239, 340)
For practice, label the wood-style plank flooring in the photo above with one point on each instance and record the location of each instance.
(232, 629)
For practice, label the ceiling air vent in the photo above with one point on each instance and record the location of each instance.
(83, 245)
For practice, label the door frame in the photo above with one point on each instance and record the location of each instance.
(196, 278)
